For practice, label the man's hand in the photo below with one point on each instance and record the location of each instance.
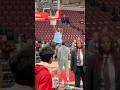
(71, 69)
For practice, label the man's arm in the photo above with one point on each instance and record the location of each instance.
(69, 54)
(72, 59)
(58, 53)
(46, 83)
(43, 80)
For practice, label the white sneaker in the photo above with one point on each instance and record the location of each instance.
(67, 81)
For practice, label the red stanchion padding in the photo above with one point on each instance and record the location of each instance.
(41, 16)
(63, 75)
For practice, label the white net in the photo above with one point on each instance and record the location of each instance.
(53, 22)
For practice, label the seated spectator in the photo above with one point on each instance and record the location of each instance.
(43, 43)
(43, 79)
(6, 47)
(65, 20)
(22, 67)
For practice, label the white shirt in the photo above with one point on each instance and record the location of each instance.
(111, 69)
(81, 58)
(45, 64)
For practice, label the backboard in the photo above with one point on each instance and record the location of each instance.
(47, 10)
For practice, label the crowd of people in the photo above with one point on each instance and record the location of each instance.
(62, 54)
(97, 64)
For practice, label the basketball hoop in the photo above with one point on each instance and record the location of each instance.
(48, 13)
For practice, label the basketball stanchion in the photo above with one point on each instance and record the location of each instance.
(47, 12)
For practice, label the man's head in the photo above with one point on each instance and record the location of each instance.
(4, 38)
(53, 45)
(22, 66)
(59, 29)
(29, 41)
(106, 44)
(95, 36)
(78, 39)
(79, 44)
(74, 41)
(46, 54)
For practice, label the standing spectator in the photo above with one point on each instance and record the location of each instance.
(38, 45)
(6, 47)
(20, 42)
(103, 69)
(22, 67)
(43, 79)
(65, 20)
(63, 56)
(73, 44)
(37, 49)
(77, 64)
(93, 43)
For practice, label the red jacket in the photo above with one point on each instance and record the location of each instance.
(43, 79)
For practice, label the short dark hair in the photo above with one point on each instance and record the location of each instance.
(22, 66)
(63, 43)
(46, 53)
